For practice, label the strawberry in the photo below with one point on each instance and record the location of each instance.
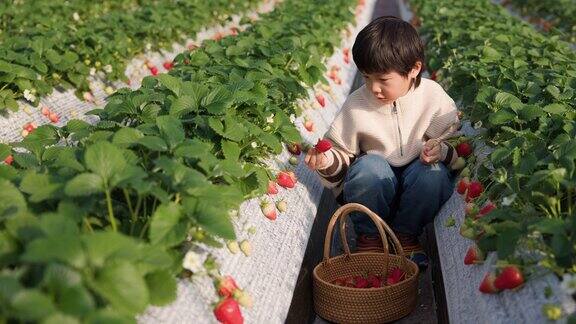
(234, 31)
(285, 180)
(269, 210)
(475, 189)
(233, 247)
(463, 185)
(272, 188)
(321, 100)
(460, 163)
(88, 97)
(339, 282)
(510, 278)
(464, 149)
(149, 64)
(474, 255)
(293, 160)
(29, 127)
(154, 70)
(488, 207)
(9, 159)
(218, 36)
(282, 205)
(109, 90)
(292, 176)
(434, 76)
(323, 145)
(360, 282)
(54, 118)
(243, 298)
(45, 111)
(395, 276)
(226, 286)
(228, 312)
(487, 285)
(246, 247)
(168, 65)
(374, 281)
(467, 231)
(309, 125)
(294, 148)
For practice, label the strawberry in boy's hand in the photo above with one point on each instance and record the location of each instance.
(323, 145)
(316, 158)
(431, 152)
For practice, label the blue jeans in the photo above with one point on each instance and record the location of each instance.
(407, 197)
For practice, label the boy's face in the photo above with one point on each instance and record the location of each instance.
(387, 87)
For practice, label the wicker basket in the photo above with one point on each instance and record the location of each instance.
(363, 305)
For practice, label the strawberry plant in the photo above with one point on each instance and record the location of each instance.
(44, 45)
(94, 218)
(520, 85)
(559, 14)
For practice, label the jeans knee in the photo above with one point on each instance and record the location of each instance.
(431, 179)
(368, 172)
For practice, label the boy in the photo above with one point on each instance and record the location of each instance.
(388, 152)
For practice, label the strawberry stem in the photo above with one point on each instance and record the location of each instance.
(110, 210)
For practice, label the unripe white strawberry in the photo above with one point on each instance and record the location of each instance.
(282, 205)
(246, 247)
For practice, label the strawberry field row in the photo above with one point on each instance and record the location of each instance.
(93, 230)
(550, 15)
(46, 45)
(518, 86)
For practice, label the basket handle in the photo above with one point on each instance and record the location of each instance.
(343, 212)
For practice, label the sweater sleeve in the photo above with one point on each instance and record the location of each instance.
(345, 148)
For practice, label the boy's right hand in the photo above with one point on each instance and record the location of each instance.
(316, 160)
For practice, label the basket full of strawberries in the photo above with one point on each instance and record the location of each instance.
(366, 287)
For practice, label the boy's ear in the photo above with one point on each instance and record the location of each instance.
(415, 70)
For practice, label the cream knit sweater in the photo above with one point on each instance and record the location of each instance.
(395, 131)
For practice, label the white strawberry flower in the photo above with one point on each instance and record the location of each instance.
(568, 284)
(292, 118)
(193, 261)
(76, 16)
(254, 144)
(29, 96)
(270, 119)
(507, 201)
(108, 68)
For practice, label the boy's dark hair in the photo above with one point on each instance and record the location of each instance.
(388, 44)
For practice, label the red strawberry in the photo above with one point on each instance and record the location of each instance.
(284, 180)
(395, 276)
(510, 278)
(45, 111)
(475, 189)
(360, 282)
(464, 149)
(9, 159)
(54, 117)
(226, 286)
(486, 209)
(463, 185)
(339, 282)
(29, 127)
(168, 65)
(234, 31)
(374, 281)
(272, 188)
(487, 284)
(309, 125)
(228, 312)
(474, 255)
(292, 176)
(154, 70)
(269, 210)
(433, 76)
(349, 282)
(323, 145)
(294, 148)
(321, 100)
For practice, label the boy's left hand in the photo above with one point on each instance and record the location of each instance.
(431, 152)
